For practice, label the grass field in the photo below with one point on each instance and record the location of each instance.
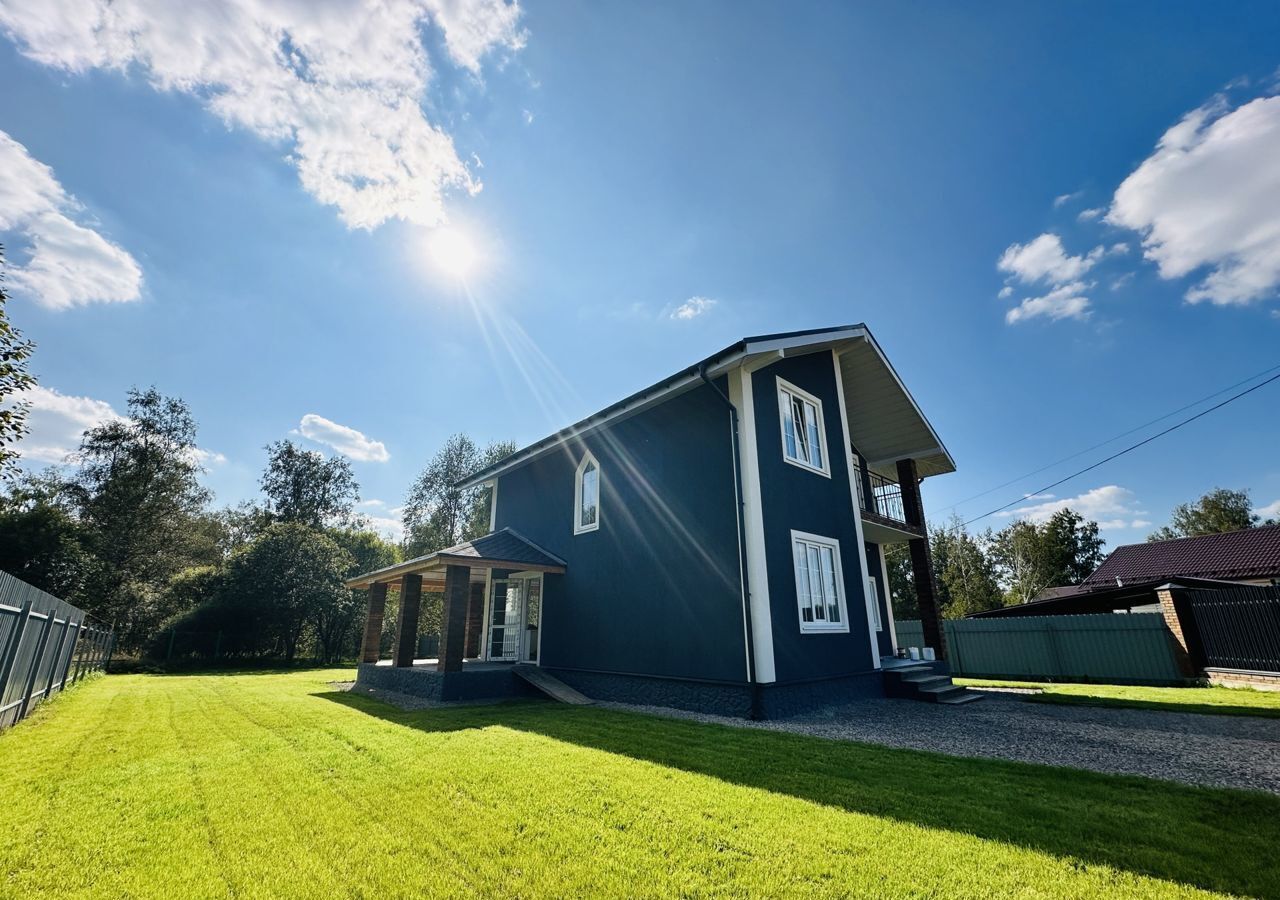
(277, 785)
(1213, 700)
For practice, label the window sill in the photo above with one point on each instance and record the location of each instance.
(825, 473)
(823, 629)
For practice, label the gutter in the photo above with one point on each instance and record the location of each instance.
(756, 712)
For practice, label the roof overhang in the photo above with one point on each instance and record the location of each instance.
(505, 549)
(913, 435)
(885, 422)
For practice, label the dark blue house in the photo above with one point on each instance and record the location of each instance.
(715, 541)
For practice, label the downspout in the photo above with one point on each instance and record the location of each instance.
(742, 542)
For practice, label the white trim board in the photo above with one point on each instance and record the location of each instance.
(741, 395)
(854, 509)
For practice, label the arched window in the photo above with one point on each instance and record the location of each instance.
(586, 496)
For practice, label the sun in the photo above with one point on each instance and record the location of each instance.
(453, 252)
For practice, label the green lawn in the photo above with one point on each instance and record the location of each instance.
(255, 785)
(1216, 700)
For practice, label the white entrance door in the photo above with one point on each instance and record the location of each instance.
(515, 611)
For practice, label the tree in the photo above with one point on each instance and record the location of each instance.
(437, 514)
(966, 577)
(14, 379)
(284, 581)
(338, 626)
(302, 486)
(41, 541)
(1216, 512)
(1029, 558)
(139, 501)
(902, 584)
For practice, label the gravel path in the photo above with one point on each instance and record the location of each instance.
(1219, 751)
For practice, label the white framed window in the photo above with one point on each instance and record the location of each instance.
(586, 496)
(873, 598)
(803, 430)
(819, 583)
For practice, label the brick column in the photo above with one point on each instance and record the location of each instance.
(1181, 649)
(407, 627)
(371, 648)
(453, 628)
(475, 621)
(921, 559)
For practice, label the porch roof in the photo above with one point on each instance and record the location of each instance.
(502, 549)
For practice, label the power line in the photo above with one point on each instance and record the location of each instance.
(1128, 449)
(1112, 440)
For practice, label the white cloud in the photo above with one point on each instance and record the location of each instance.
(1270, 511)
(206, 458)
(1089, 215)
(1111, 506)
(1005, 292)
(346, 441)
(341, 83)
(69, 264)
(1064, 199)
(57, 421)
(1044, 259)
(692, 308)
(1209, 197)
(1067, 301)
(383, 518)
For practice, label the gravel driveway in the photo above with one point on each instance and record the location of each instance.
(1220, 751)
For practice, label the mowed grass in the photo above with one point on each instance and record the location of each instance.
(261, 785)
(1212, 700)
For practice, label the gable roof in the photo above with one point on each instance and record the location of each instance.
(502, 549)
(932, 457)
(1235, 555)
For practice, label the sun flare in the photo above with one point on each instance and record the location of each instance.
(452, 252)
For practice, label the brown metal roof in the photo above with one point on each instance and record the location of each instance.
(1236, 555)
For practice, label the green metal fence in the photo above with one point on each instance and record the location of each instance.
(1134, 648)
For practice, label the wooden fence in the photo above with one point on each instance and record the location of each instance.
(46, 644)
(1135, 648)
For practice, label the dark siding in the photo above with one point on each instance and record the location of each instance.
(794, 498)
(884, 638)
(656, 589)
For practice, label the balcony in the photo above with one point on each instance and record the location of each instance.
(882, 509)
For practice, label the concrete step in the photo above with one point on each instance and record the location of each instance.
(550, 685)
(937, 692)
(965, 696)
(926, 680)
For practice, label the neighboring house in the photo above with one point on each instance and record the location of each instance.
(715, 541)
(1219, 595)
(1127, 579)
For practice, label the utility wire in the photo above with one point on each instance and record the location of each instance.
(1128, 449)
(1112, 440)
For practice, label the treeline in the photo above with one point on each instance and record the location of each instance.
(128, 533)
(977, 572)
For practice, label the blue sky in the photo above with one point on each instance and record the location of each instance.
(1060, 221)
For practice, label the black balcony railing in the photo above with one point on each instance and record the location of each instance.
(881, 497)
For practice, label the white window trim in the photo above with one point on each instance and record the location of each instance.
(578, 527)
(834, 544)
(788, 387)
(873, 600)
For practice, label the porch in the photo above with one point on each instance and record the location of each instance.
(491, 591)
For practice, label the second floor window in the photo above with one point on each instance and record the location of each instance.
(802, 428)
(586, 496)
